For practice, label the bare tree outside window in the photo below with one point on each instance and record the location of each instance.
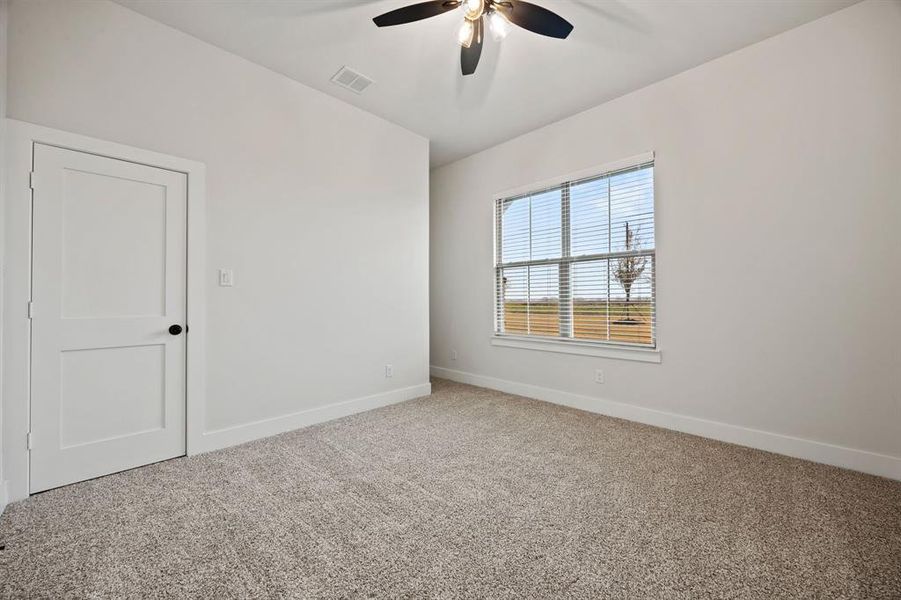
(629, 270)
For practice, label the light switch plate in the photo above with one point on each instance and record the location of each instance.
(226, 278)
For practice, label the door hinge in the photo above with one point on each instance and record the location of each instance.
(31, 310)
(32, 180)
(30, 439)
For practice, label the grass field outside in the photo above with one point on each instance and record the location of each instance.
(614, 321)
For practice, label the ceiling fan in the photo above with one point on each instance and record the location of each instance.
(498, 13)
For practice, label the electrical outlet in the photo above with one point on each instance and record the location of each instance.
(599, 376)
(389, 370)
(453, 355)
(226, 278)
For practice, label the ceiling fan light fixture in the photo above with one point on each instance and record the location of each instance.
(465, 33)
(498, 24)
(474, 9)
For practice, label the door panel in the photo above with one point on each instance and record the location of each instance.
(132, 214)
(109, 277)
(132, 402)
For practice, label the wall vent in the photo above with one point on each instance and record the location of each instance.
(350, 79)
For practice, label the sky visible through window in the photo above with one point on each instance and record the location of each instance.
(598, 226)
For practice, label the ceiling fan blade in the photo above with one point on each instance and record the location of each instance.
(534, 18)
(469, 57)
(415, 12)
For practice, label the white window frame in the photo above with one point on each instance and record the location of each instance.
(604, 349)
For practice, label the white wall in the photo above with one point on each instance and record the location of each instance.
(777, 185)
(320, 208)
(4, 15)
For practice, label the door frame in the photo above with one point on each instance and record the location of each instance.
(16, 287)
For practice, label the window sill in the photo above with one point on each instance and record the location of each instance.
(648, 355)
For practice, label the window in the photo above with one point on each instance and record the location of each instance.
(576, 262)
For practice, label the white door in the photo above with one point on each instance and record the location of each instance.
(108, 282)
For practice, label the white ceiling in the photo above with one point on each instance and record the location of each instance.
(522, 83)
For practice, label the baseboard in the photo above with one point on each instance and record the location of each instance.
(239, 434)
(839, 456)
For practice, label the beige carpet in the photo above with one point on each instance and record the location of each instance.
(467, 494)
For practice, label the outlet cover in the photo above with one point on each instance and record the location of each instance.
(226, 278)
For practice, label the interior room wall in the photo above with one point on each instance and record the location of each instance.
(4, 15)
(320, 208)
(777, 177)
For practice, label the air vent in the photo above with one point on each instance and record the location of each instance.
(350, 79)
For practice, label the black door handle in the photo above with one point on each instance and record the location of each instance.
(174, 329)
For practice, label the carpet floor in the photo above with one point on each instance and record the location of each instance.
(469, 493)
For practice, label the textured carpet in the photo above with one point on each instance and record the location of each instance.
(469, 493)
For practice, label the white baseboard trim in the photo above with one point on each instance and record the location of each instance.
(239, 434)
(839, 456)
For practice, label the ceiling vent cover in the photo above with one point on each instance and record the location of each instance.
(350, 79)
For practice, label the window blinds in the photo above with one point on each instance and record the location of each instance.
(577, 261)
